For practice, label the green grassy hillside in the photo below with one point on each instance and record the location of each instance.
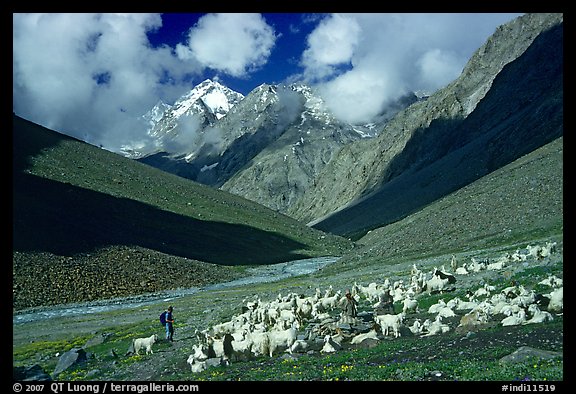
(82, 211)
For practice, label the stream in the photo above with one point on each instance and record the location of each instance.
(260, 274)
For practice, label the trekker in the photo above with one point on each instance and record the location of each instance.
(169, 325)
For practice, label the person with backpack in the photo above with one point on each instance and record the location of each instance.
(167, 320)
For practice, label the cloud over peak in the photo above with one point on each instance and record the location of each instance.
(236, 44)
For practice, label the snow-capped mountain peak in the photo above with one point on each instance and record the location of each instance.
(218, 99)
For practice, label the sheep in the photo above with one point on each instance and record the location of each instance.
(146, 343)
(390, 321)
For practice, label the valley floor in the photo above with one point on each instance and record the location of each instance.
(456, 355)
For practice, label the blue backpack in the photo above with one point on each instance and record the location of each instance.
(163, 318)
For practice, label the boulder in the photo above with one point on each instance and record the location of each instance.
(526, 353)
(71, 358)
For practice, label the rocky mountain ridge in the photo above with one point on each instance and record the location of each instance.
(507, 102)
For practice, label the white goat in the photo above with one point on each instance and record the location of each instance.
(515, 319)
(410, 304)
(196, 365)
(461, 270)
(389, 321)
(436, 284)
(473, 318)
(372, 334)
(435, 308)
(145, 343)
(330, 346)
(552, 281)
(281, 340)
(299, 346)
(416, 327)
(556, 300)
(446, 312)
(435, 327)
(260, 343)
(538, 316)
(476, 266)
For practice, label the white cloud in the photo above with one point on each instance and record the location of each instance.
(331, 44)
(92, 75)
(388, 55)
(437, 68)
(236, 44)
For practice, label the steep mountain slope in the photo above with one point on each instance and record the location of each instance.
(479, 122)
(518, 204)
(95, 224)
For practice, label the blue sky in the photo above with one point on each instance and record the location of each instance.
(92, 75)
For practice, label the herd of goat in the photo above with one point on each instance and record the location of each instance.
(296, 323)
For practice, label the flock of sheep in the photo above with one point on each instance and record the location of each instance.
(297, 323)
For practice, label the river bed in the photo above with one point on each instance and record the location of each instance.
(260, 274)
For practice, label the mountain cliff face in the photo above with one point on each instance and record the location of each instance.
(507, 102)
(304, 140)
